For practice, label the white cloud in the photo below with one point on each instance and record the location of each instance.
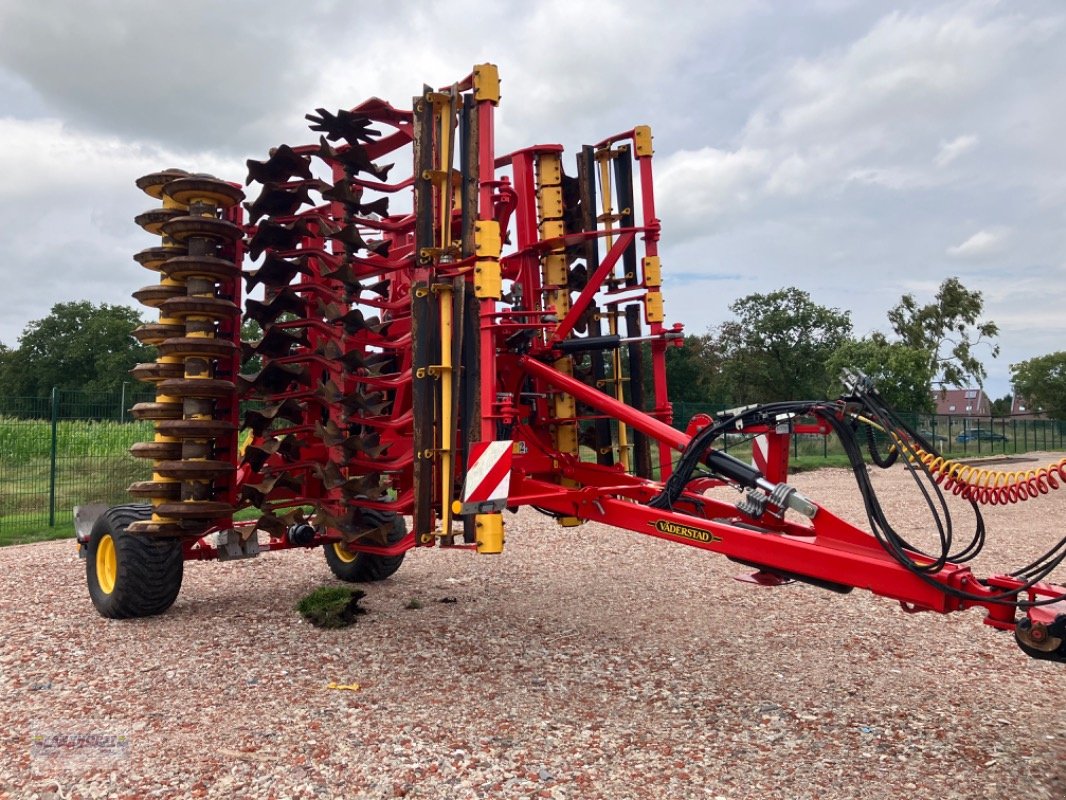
(827, 147)
(697, 189)
(957, 147)
(857, 117)
(983, 244)
(73, 197)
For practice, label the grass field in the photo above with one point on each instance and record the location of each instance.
(91, 465)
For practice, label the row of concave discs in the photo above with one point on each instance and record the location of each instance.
(196, 339)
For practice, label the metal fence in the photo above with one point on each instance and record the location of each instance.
(957, 436)
(72, 448)
(64, 450)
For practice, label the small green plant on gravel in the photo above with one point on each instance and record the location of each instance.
(413, 604)
(332, 606)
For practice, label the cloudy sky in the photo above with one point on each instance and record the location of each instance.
(857, 150)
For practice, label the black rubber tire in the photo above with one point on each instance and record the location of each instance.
(148, 571)
(365, 567)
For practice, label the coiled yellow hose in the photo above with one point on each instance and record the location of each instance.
(993, 487)
(987, 486)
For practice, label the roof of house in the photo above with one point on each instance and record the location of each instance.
(962, 402)
(1020, 407)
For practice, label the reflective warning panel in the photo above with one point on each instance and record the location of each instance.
(488, 477)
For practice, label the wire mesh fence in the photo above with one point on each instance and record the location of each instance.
(65, 450)
(73, 448)
(956, 436)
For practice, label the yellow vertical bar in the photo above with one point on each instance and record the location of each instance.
(604, 158)
(447, 423)
(619, 392)
(555, 279)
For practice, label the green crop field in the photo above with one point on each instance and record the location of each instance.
(91, 464)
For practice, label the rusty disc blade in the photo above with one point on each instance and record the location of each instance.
(195, 306)
(154, 332)
(154, 296)
(277, 201)
(286, 301)
(284, 163)
(154, 219)
(153, 183)
(194, 469)
(182, 267)
(183, 228)
(194, 509)
(156, 411)
(203, 189)
(155, 371)
(194, 428)
(330, 434)
(197, 387)
(164, 490)
(276, 378)
(349, 125)
(272, 524)
(159, 451)
(277, 342)
(191, 347)
(153, 257)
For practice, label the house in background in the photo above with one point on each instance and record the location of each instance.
(962, 402)
(1021, 408)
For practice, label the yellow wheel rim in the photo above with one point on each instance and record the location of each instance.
(343, 553)
(106, 564)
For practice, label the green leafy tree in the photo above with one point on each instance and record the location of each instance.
(778, 346)
(79, 345)
(1002, 406)
(948, 330)
(1042, 381)
(691, 371)
(901, 373)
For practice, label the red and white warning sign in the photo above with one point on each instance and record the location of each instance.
(760, 453)
(488, 477)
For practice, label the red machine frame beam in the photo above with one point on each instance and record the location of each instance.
(598, 400)
(832, 554)
(592, 287)
(830, 551)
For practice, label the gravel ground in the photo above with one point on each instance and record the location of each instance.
(582, 663)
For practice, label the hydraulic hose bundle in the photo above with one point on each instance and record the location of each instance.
(931, 477)
(934, 477)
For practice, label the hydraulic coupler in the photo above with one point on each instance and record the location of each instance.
(780, 494)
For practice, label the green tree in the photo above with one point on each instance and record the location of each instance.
(901, 373)
(77, 346)
(1042, 381)
(948, 331)
(691, 371)
(778, 346)
(1002, 406)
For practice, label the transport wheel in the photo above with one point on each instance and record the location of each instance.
(365, 567)
(130, 575)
